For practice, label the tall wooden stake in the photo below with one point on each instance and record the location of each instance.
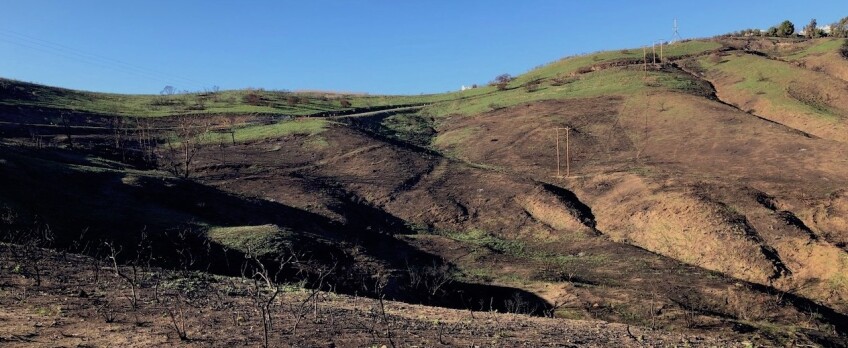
(557, 142)
(567, 153)
(654, 52)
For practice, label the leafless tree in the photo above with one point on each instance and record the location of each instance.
(176, 313)
(184, 143)
(433, 277)
(301, 309)
(132, 279)
(145, 139)
(168, 90)
(65, 119)
(264, 299)
(232, 121)
(32, 251)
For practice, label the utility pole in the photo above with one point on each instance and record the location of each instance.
(654, 52)
(661, 50)
(567, 152)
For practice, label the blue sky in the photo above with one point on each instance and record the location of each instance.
(386, 47)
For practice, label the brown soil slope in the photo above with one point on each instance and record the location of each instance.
(702, 195)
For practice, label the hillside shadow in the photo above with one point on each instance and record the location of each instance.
(113, 205)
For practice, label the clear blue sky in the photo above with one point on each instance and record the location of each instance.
(387, 47)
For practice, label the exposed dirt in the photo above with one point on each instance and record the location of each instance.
(691, 214)
(661, 188)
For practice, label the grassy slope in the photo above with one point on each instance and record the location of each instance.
(799, 98)
(277, 102)
(740, 152)
(569, 65)
(623, 82)
(304, 126)
(611, 82)
(224, 102)
(818, 47)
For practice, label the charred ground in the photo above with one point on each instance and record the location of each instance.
(707, 196)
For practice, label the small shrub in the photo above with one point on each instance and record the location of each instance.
(502, 81)
(716, 58)
(252, 98)
(292, 100)
(563, 80)
(584, 70)
(809, 95)
(844, 49)
(533, 85)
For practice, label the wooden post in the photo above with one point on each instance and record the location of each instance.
(557, 146)
(654, 52)
(645, 60)
(567, 154)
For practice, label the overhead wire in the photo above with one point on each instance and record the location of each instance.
(93, 59)
(86, 55)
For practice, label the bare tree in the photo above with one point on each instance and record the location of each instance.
(32, 240)
(264, 299)
(168, 90)
(65, 119)
(300, 310)
(131, 279)
(232, 120)
(145, 140)
(432, 278)
(184, 143)
(178, 318)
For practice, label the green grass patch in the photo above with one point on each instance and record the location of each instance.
(316, 143)
(771, 80)
(413, 128)
(454, 137)
(259, 240)
(223, 102)
(303, 126)
(521, 249)
(572, 64)
(489, 241)
(821, 46)
(247, 101)
(609, 82)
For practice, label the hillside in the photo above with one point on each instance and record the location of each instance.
(706, 193)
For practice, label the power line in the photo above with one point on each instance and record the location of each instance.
(95, 59)
(41, 49)
(67, 49)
